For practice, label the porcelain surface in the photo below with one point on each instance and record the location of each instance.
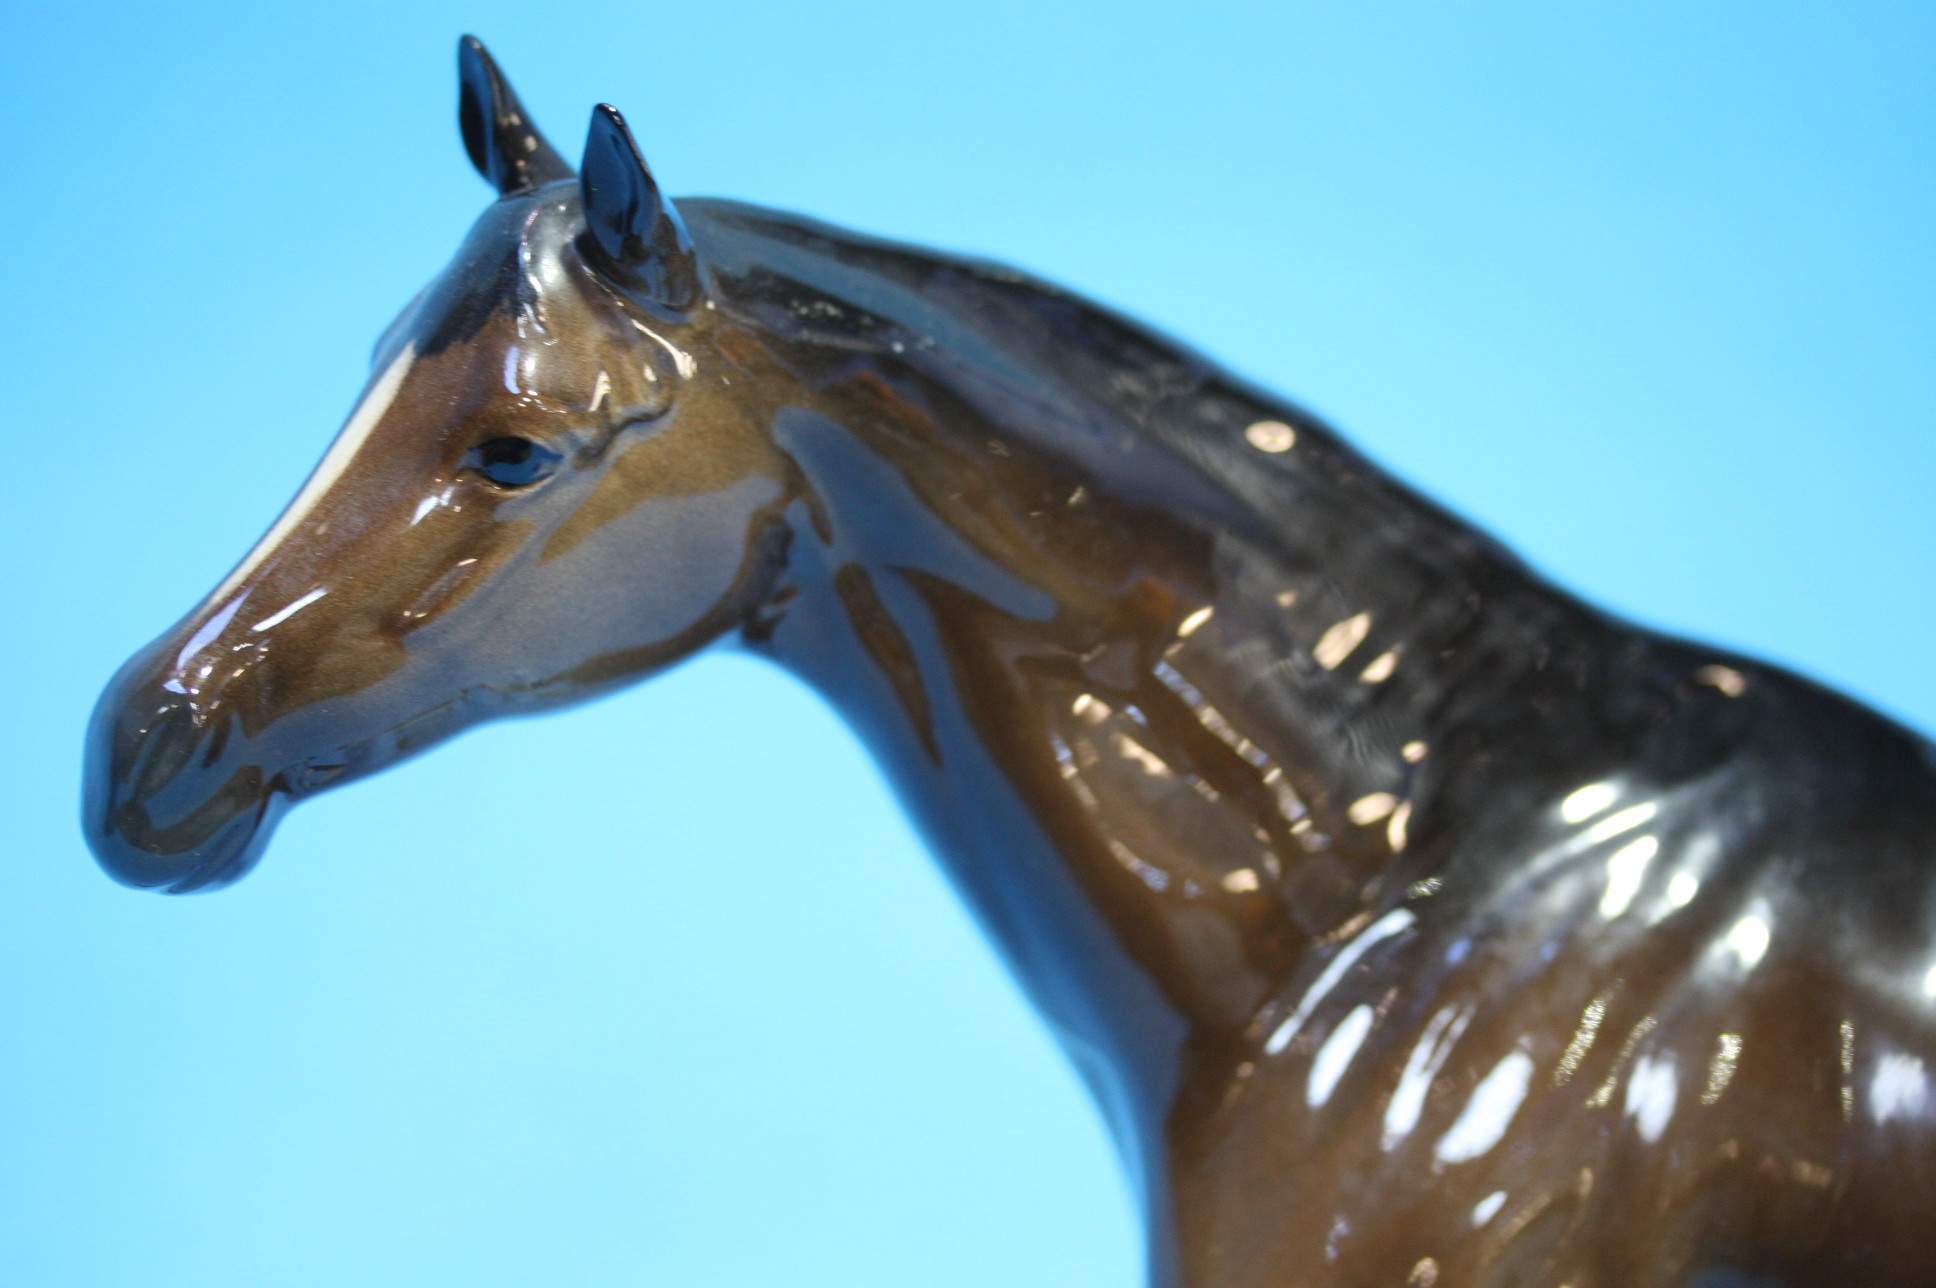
(1412, 921)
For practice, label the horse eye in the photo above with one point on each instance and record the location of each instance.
(513, 462)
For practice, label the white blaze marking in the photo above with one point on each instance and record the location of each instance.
(364, 419)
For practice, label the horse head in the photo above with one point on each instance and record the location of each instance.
(546, 410)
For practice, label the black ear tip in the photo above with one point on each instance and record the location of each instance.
(609, 131)
(473, 60)
(504, 145)
(474, 95)
(632, 234)
(608, 119)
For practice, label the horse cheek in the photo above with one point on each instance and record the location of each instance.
(649, 577)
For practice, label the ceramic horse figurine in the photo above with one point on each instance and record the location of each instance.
(1412, 922)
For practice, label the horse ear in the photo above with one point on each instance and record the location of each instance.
(632, 233)
(504, 145)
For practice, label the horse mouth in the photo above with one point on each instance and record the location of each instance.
(164, 808)
(178, 798)
(205, 851)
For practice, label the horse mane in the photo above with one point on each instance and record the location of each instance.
(1559, 691)
(1071, 377)
(1158, 425)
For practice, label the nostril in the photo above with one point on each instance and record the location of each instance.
(154, 814)
(163, 747)
(218, 741)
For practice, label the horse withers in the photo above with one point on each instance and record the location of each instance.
(1412, 922)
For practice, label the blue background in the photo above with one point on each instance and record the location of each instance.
(662, 991)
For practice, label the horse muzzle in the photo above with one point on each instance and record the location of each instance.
(173, 799)
(204, 739)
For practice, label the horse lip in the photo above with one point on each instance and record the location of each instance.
(137, 853)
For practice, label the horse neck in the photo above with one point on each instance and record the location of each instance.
(1162, 754)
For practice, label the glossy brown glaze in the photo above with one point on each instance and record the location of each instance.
(1412, 922)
